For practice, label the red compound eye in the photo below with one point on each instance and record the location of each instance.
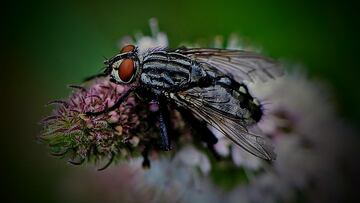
(127, 48)
(126, 70)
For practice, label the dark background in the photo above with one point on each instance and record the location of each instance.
(47, 45)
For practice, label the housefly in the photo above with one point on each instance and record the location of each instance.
(208, 82)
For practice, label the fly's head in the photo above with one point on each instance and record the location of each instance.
(124, 67)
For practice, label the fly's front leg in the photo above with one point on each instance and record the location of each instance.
(157, 107)
(165, 142)
(115, 106)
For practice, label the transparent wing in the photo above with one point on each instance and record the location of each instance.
(242, 65)
(232, 127)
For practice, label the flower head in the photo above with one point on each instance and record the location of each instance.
(70, 132)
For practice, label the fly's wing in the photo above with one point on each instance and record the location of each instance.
(241, 65)
(204, 105)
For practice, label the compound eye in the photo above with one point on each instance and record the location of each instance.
(127, 48)
(126, 70)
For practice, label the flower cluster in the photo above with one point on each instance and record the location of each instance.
(70, 132)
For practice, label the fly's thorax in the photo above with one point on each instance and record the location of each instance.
(167, 70)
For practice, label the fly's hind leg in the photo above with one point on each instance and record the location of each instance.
(145, 155)
(201, 128)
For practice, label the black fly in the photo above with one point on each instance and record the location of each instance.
(207, 82)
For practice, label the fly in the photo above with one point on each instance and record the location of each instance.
(205, 81)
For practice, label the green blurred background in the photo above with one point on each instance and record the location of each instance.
(47, 45)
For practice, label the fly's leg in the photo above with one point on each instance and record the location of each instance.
(165, 142)
(206, 136)
(145, 155)
(111, 159)
(115, 106)
(155, 107)
(210, 141)
(201, 128)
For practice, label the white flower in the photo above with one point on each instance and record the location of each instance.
(308, 134)
(178, 180)
(144, 43)
(192, 157)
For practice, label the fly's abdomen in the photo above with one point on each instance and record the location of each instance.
(162, 70)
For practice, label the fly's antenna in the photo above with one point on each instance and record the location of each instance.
(106, 61)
